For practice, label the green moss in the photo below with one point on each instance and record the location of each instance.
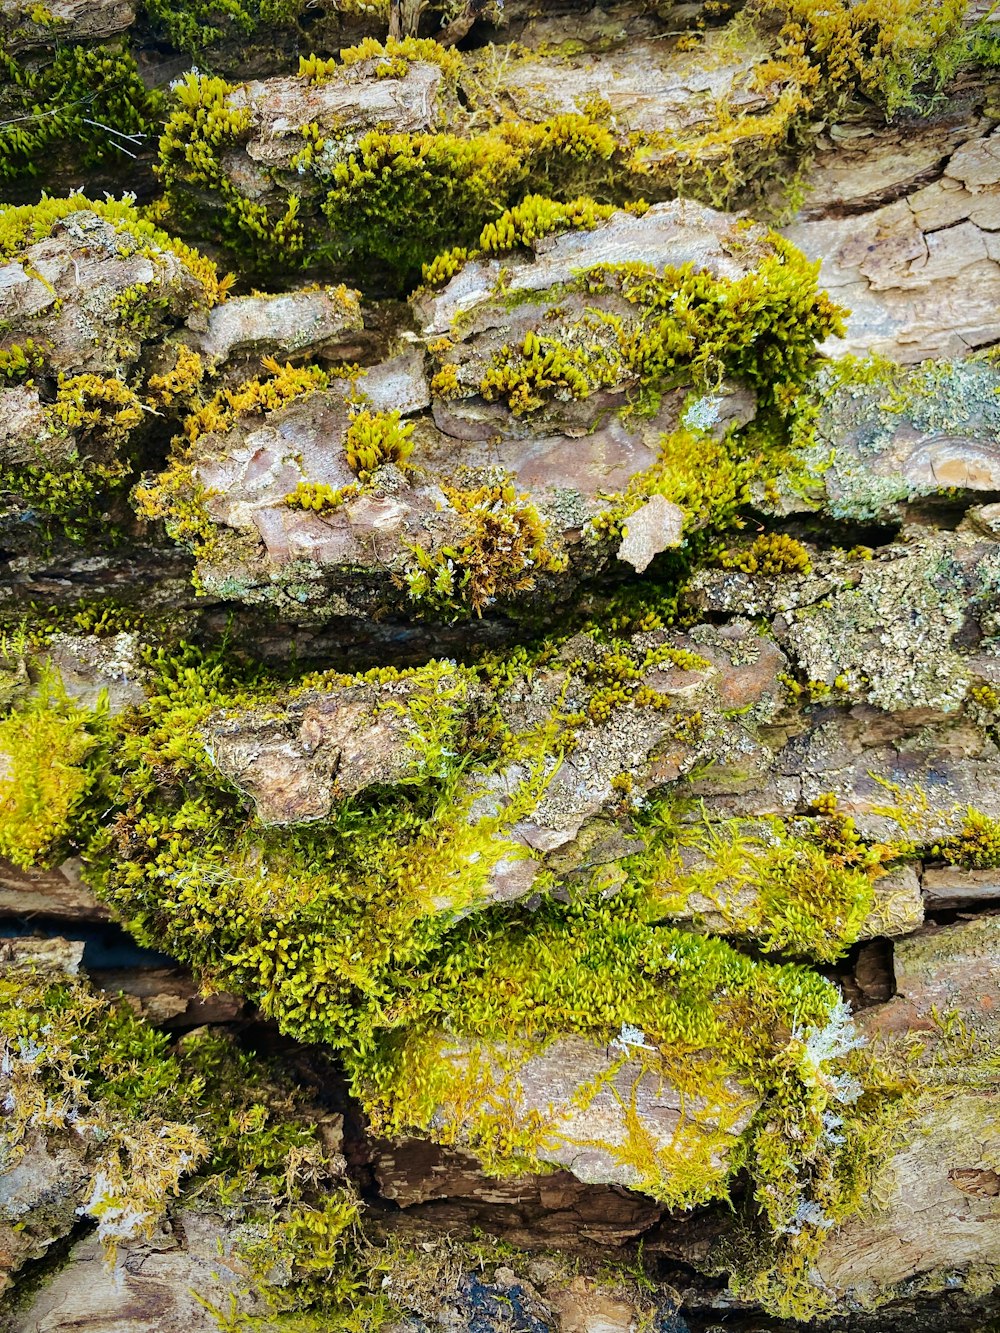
(200, 1119)
(976, 845)
(897, 52)
(319, 497)
(192, 27)
(72, 474)
(374, 439)
(49, 764)
(771, 553)
(645, 331)
(91, 100)
(504, 545)
(23, 225)
(534, 217)
(389, 200)
(705, 1015)
(19, 361)
(356, 932)
(392, 58)
(804, 887)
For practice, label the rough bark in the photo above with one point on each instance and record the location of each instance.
(521, 663)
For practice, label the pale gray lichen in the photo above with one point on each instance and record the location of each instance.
(889, 639)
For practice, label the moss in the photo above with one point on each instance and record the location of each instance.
(374, 439)
(804, 886)
(203, 1121)
(356, 932)
(50, 763)
(976, 845)
(72, 488)
(177, 499)
(320, 498)
(389, 200)
(19, 361)
(645, 331)
(192, 27)
(399, 198)
(896, 52)
(704, 1014)
(771, 553)
(91, 100)
(95, 1067)
(393, 57)
(23, 225)
(181, 382)
(265, 393)
(534, 217)
(504, 545)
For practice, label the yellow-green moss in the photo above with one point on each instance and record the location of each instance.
(22, 225)
(320, 498)
(72, 474)
(376, 438)
(976, 845)
(355, 932)
(534, 217)
(644, 331)
(48, 766)
(503, 547)
(198, 1118)
(770, 553)
(192, 25)
(804, 887)
(266, 393)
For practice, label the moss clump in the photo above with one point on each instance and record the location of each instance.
(19, 361)
(804, 887)
(261, 394)
(393, 57)
(976, 845)
(49, 764)
(896, 53)
(644, 331)
(376, 438)
(176, 497)
(503, 547)
(693, 1011)
(72, 474)
(390, 200)
(94, 1070)
(91, 100)
(192, 27)
(320, 498)
(181, 382)
(772, 553)
(899, 53)
(534, 217)
(198, 1125)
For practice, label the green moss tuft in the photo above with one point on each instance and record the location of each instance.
(50, 755)
(504, 545)
(91, 100)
